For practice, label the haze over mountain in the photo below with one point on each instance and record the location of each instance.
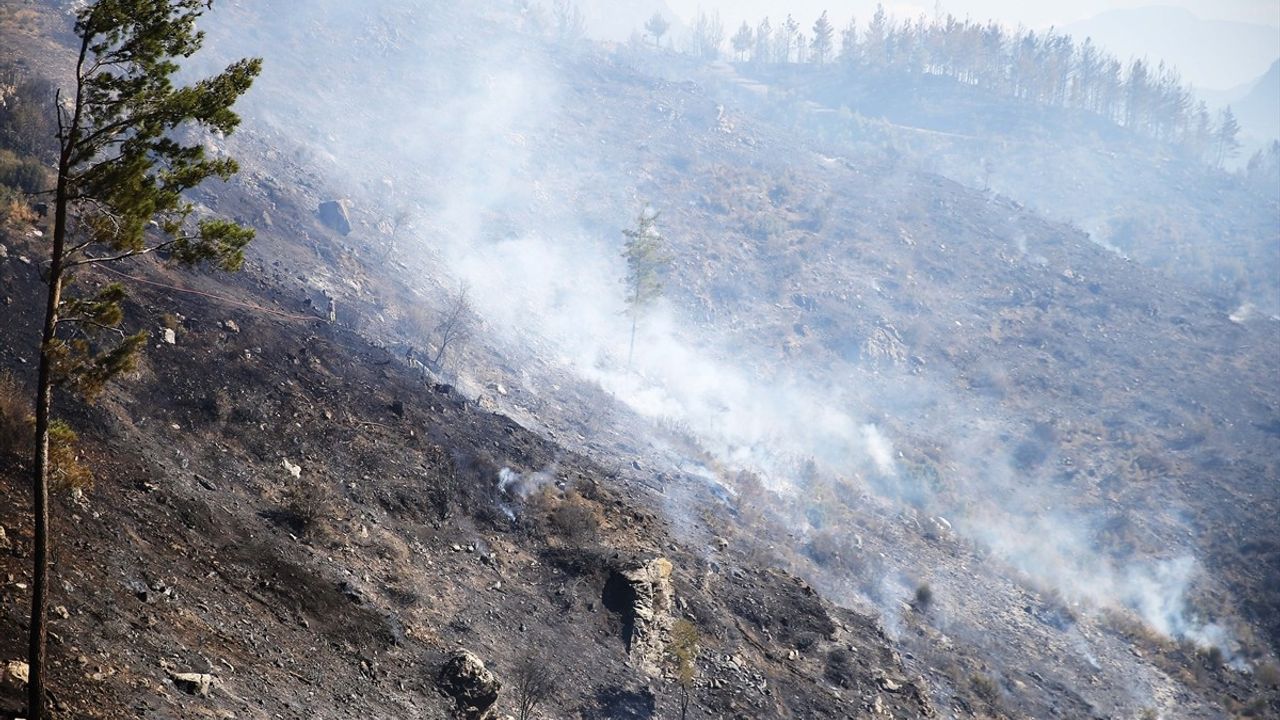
(1212, 54)
(926, 373)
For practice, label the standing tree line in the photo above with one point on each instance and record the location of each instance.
(1047, 68)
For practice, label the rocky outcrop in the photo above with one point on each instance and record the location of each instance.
(473, 688)
(643, 595)
(335, 214)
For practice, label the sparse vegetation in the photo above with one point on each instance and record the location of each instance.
(576, 519)
(534, 685)
(683, 651)
(16, 421)
(67, 473)
(924, 597)
(457, 323)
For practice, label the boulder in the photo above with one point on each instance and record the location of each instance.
(336, 216)
(193, 683)
(472, 686)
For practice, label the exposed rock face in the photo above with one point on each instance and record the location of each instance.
(334, 214)
(471, 685)
(644, 596)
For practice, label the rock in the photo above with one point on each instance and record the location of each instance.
(472, 686)
(14, 673)
(193, 683)
(889, 685)
(294, 470)
(644, 596)
(170, 337)
(230, 326)
(335, 215)
(4, 539)
(4, 252)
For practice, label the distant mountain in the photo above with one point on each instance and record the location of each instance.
(1211, 54)
(1259, 111)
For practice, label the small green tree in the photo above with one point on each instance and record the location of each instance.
(121, 168)
(657, 26)
(684, 654)
(647, 261)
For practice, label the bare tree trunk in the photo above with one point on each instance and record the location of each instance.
(36, 693)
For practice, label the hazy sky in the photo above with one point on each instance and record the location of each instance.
(1034, 13)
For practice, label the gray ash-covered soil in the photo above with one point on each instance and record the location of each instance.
(1113, 394)
(189, 556)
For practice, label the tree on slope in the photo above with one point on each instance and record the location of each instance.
(647, 261)
(657, 26)
(743, 41)
(1227, 136)
(822, 43)
(121, 168)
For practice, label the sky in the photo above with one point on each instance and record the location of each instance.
(1034, 13)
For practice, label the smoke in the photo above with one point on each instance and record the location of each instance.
(523, 485)
(481, 140)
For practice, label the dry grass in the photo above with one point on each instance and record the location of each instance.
(15, 418)
(66, 471)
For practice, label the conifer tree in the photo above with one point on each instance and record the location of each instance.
(743, 40)
(647, 261)
(657, 26)
(120, 168)
(1227, 136)
(787, 38)
(764, 42)
(822, 39)
(849, 43)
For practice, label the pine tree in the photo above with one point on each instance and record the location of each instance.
(822, 44)
(787, 38)
(119, 169)
(647, 262)
(707, 36)
(764, 42)
(743, 41)
(1227, 136)
(657, 26)
(849, 43)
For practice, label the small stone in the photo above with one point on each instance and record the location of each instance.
(230, 326)
(170, 337)
(14, 672)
